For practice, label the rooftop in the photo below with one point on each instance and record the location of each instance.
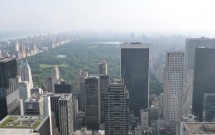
(22, 121)
(201, 127)
(134, 45)
(65, 96)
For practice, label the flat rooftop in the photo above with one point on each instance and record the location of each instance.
(65, 96)
(201, 127)
(34, 98)
(22, 121)
(134, 45)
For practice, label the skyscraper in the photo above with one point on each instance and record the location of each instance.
(191, 45)
(8, 86)
(92, 106)
(63, 87)
(135, 72)
(66, 114)
(25, 73)
(117, 109)
(204, 77)
(173, 88)
(82, 99)
(54, 76)
(103, 67)
(104, 82)
(209, 107)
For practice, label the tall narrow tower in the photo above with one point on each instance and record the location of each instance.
(54, 76)
(103, 67)
(25, 73)
(135, 72)
(173, 88)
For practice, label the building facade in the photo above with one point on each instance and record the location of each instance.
(191, 45)
(117, 109)
(173, 88)
(63, 87)
(204, 77)
(104, 82)
(135, 72)
(9, 95)
(103, 67)
(92, 105)
(66, 114)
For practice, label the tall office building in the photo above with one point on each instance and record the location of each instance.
(9, 94)
(117, 109)
(66, 114)
(104, 82)
(25, 73)
(92, 105)
(191, 45)
(173, 88)
(63, 87)
(103, 67)
(135, 72)
(204, 77)
(54, 77)
(82, 94)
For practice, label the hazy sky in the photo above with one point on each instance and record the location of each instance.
(107, 15)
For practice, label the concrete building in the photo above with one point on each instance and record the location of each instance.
(191, 45)
(54, 76)
(66, 114)
(188, 92)
(24, 125)
(144, 119)
(104, 82)
(103, 68)
(117, 109)
(173, 88)
(63, 87)
(135, 72)
(24, 90)
(92, 105)
(9, 94)
(197, 128)
(34, 105)
(204, 77)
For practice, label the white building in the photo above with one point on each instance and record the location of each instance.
(173, 88)
(25, 73)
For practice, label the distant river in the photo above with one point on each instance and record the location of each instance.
(111, 42)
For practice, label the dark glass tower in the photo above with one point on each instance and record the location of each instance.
(204, 77)
(92, 106)
(135, 72)
(8, 70)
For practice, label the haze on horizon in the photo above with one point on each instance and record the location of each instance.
(108, 15)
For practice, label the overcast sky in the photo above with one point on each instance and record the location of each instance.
(107, 15)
